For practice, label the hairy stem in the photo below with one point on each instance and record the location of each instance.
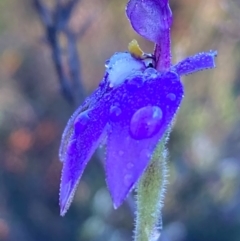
(150, 194)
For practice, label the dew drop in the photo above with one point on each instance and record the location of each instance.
(130, 165)
(71, 149)
(172, 76)
(151, 72)
(171, 96)
(120, 153)
(135, 83)
(145, 154)
(146, 122)
(143, 30)
(107, 63)
(81, 122)
(115, 112)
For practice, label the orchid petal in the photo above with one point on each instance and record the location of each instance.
(149, 18)
(142, 110)
(69, 129)
(196, 63)
(84, 133)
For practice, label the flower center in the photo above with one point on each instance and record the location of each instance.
(124, 64)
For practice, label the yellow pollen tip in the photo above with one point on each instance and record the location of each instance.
(134, 49)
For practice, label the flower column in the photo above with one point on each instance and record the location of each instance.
(156, 18)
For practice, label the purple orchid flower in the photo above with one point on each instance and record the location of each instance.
(131, 109)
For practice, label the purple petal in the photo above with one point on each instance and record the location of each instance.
(196, 63)
(69, 130)
(149, 18)
(83, 134)
(142, 110)
(92, 100)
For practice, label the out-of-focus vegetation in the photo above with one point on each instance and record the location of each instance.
(202, 202)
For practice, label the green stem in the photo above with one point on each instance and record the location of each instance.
(150, 194)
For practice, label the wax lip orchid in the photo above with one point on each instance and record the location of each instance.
(131, 109)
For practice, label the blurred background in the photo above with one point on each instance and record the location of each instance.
(203, 197)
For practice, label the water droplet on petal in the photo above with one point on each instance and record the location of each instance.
(81, 122)
(130, 165)
(115, 112)
(135, 83)
(150, 74)
(107, 63)
(144, 154)
(146, 122)
(71, 150)
(172, 76)
(143, 30)
(150, 71)
(120, 153)
(127, 179)
(171, 96)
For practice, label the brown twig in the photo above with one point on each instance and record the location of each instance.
(56, 22)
